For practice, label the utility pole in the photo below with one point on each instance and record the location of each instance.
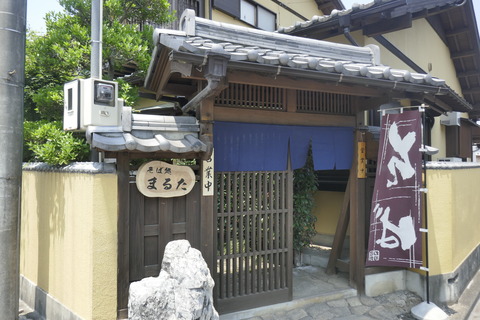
(96, 54)
(96, 51)
(12, 78)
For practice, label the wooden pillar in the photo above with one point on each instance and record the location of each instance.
(357, 215)
(291, 106)
(291, 100)
(289, 195)
(123, 280)
(208, 218)
(341, 230)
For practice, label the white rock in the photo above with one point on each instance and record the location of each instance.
(183, 289)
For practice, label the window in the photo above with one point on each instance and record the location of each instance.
(266, 19)
(249, 12)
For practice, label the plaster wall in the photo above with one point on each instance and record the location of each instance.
(422, 45)
(453, 217)
(69, 239)
(327, 209)
(439, 139)
(357, 35)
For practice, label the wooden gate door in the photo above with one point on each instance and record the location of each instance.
(254, 244)
(156, 221)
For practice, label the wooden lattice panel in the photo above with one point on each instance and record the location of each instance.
(253, 97)
(253, 223)
(322, 102)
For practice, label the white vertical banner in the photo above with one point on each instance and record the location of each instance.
(207, 176)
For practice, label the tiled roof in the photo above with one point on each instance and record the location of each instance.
(247, 46)
(395, 9)
(149, 133)
(309, 61)
(270, 48)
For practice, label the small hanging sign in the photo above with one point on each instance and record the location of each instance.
(207, 177)
(161, 179)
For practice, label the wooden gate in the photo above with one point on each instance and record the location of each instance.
(156, 221)
(254, 244)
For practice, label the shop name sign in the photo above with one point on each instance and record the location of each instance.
(161, 179)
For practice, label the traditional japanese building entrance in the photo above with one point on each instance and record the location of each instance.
(254, 244)
(258, 100)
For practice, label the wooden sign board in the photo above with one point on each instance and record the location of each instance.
(161, 179)
(207, 177)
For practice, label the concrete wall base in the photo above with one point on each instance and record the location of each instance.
(451, 286)
(444, 288)
(46, 305)
(386, 282)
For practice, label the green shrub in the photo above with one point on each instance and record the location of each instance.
(47, 142)
(304, 186)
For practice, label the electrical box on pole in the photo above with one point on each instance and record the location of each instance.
(91, 102)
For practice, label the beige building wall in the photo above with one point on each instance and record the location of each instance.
(453, 217)
(327, 209)
(422, 45)
(69, 239)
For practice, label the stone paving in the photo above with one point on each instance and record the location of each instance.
(392, 306)
(316, 297)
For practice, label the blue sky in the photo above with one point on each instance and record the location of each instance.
(37, 9)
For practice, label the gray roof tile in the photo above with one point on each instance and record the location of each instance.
(149, 133)
(413, 7)
(247, 46)
(288, 51)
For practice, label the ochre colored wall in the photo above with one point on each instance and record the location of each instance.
(357, 35)
(69, 239)
(327, 209)
(439, 139)
(453, 217)
(422, 45)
